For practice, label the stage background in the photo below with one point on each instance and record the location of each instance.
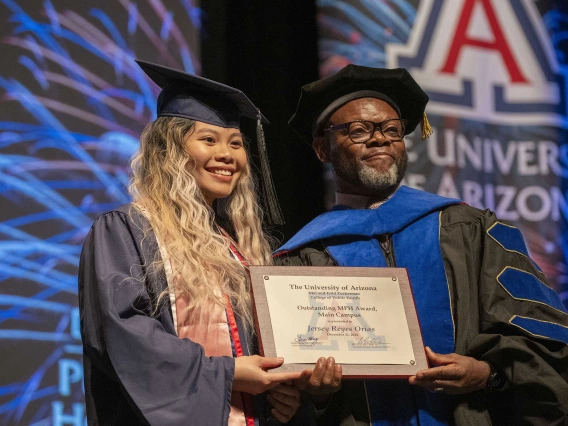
(73, 105)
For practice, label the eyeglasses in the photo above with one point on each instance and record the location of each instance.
(362, 131)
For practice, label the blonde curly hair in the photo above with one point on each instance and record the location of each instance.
(165, 190)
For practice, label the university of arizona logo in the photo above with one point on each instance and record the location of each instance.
(488, 60)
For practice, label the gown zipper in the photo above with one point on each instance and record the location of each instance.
(385, 241)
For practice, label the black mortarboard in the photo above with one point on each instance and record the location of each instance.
(197, 98)
(320, 99)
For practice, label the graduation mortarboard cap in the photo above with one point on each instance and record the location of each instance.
(197, 98)
(320, 99)
(200, 99)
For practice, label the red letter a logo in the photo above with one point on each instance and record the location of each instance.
(499, 43)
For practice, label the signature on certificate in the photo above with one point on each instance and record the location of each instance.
(374, 342)
(305, 341)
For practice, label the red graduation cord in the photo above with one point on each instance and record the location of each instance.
(247, 401)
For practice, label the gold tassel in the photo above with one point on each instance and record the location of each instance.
(426, 128)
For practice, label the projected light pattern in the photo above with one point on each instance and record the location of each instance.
(74, 104)
(556, 21)
(357, 32)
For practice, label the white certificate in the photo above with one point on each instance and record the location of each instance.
(360, 316)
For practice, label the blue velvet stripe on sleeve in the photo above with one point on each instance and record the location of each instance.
(539, 328)
(522, 285)
(511, 239)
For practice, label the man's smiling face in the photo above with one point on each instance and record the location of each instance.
(372, 168)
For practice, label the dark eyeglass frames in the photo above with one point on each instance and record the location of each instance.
(362, 131)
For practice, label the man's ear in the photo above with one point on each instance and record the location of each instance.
(321, 148)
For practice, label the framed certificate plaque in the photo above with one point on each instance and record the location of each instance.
(363, 317)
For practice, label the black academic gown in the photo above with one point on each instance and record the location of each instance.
(502, 312)
(137, 371)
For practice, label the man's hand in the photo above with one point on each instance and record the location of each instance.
(285, 400)
(455, 374)
(322, 381)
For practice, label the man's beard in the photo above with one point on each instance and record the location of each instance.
(368, 179)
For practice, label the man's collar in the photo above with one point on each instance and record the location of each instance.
(351, 200)
(360, 202)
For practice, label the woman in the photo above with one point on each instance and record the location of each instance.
(163, 291)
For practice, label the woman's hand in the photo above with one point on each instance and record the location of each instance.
(322, 381)
(285, 400)
(251, 375)
(455, 374)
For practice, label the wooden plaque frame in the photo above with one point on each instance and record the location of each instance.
(265, 333)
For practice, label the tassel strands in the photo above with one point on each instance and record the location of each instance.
(426, 128)
(275, 215)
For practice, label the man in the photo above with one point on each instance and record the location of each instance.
(496, 334)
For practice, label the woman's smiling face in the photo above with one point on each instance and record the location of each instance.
(220, 158)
